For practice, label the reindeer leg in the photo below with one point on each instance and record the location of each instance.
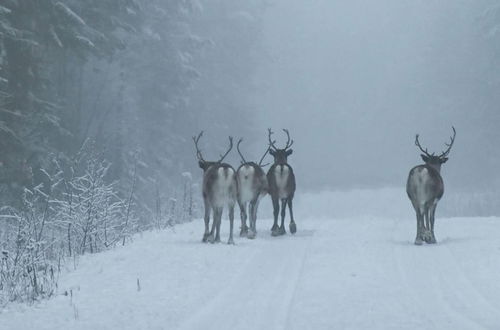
(427, 232)
(211, 237)
(207, 221)
(276, 211)
(432, 239)
(252, 210)
(231, 223)
(420, 225)
(243, 214)
(219, 220)
(282, 230)
(293, 227)
(255, 209)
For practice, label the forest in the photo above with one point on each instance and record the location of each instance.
(98, 103)
(100, 99)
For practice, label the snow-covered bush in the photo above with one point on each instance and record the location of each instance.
(30, 251)
(94, 215)
(74, 211)
(178, 206)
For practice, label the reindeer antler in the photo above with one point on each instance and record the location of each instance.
(238, 148)
(417, 143)
(444, 153)
(271, 142)
(228, 150)
(288, 143)
(449, 145)
(198, 151)
(264, 156)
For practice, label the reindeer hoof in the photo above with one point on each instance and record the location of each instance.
(418, 241)
(243, 231)
(274, 227)
(430, 240)
(275, 232)
(211, 239)
(293, 227)
(282, 231)
(230, 242)
(251, 234)
(205, 238)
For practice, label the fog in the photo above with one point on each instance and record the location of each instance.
(355, 81)
(100, 102)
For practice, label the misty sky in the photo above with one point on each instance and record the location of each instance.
(355, 80)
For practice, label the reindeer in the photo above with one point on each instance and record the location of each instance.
(252, 186)
(425, 188)
(219, 189)
(281, 184)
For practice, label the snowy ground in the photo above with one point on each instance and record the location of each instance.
(359, 272)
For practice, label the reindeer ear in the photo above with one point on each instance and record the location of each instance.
(443, 160)
(272, 152)
(424, 158)
(201, 164)
(289, 152)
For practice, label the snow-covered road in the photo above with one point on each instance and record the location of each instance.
(357, 273)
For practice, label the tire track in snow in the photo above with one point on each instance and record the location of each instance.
(425, 271)
(463, 295)
(260, 294)
(296, 281)
(402, 270)
(418, 278)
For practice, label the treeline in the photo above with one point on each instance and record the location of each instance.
(98, 101)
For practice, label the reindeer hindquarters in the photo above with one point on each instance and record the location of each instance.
(282, 179)
(424, 188)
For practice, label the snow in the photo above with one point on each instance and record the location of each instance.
(340, 272)
(4, 10)
(70, 13)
